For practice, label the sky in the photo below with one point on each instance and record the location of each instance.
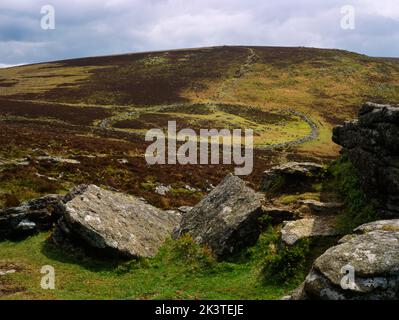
(103, 27)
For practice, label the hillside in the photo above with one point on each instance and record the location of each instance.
(93, 112)
(196, 232)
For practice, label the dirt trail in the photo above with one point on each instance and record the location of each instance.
(245, 68)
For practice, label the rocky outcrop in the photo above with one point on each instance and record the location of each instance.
(372, 144)
(113, 223)
(226, 220)
(363, 266)
(318, 226)
(30, 217)
(290, 175)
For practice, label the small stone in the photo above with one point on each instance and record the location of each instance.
(318, 207)
(162, 190)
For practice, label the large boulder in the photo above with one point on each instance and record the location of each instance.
(292, 175)
(371, 256)
(226, 220)
(113, 223)
(372, 144)
(29, 217)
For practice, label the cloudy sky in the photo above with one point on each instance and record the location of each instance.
(102, 27)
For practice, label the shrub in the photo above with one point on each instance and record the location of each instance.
(286, 265)
(9, 200)
(359, 209)
(191, 254)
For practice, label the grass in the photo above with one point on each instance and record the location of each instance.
(39, 78)
(269, 127)
(181, 270)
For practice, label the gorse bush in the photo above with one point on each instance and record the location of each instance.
(359, 209)
(191, 254)
(286, 265)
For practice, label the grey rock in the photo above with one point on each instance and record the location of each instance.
(189, 188)
(226, 220)
(279, 215)
(26, 225)
(6, 272)
(381, 225)
(374, 257)
(123, 161)
(57, 160)
(162, 190)
(31, 216)
(185, 209)
(290, 174)
(113, 223)
(372, 144)
(15, 162)
(317, 226)
(317, 207)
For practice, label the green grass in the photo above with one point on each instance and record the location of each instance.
(181, 270)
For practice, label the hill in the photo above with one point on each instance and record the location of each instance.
(82, 121)
(94, 111)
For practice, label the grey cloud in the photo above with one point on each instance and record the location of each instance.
(101, 27)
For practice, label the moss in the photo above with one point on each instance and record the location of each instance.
(176, 192)
(147, 186)
(293, 198)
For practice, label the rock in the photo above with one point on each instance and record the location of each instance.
(372, 145)
(6, 272)
(208, 187)
(382, 225)
(190, 188)
(162, 190)
(373, 259)
(123, 161)
(292, 174)
(15, 162)
(325, 208)
(31, 216)
(176, 213)
(279, 215)
(57, 160)
(226, 220)
(298, 293)
(113, 223)
(317, 226)
(185, 209)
